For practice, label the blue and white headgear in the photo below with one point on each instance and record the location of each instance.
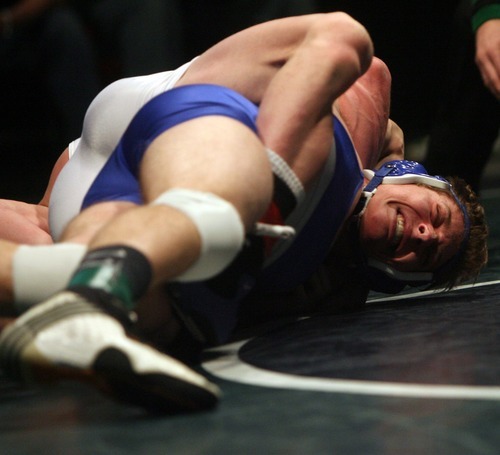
(381, 276)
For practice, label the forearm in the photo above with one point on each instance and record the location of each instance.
(334, 53)
(486, 24)
(24, 223)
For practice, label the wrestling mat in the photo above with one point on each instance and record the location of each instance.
(414, 374)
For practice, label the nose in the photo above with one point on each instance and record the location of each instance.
(426, 233)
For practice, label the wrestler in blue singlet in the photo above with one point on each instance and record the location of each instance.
(214, 304)
(118, 180)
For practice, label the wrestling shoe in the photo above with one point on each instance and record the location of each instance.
(70, 338)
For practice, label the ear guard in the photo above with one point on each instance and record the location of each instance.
(382, 277)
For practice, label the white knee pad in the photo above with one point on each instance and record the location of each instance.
(219, 224)
(39, 271)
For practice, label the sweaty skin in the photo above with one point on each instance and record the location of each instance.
(413, 228)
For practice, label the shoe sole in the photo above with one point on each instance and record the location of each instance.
(112, 370)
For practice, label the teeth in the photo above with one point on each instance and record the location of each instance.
(398, 234)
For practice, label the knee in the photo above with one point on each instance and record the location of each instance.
(85, 226)
(219, 226)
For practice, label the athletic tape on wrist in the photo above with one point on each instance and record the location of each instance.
(219, 224)
(41, 270)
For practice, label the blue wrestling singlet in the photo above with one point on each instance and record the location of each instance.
(118, 180)
(214, 304)
(312, 244)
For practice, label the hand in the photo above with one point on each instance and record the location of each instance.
(488, 54)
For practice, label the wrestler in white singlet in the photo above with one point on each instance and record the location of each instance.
(105, 122)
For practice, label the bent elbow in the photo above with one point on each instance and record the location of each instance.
(344, 38)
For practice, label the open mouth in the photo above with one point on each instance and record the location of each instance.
(398, 231)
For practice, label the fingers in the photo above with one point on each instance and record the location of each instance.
(488, 55)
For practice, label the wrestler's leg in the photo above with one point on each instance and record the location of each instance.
(85, 226)
(210, 154)
(31, 273)
(79, 231)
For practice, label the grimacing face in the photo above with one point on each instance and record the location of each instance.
(412, 228)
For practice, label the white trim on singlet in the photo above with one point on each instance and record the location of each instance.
(306, 206)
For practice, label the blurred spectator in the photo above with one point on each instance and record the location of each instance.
(48, 50)
(43, 41)
(134, 37)
(47, 73)
(468, 120)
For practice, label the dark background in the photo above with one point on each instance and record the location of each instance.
(410, 36)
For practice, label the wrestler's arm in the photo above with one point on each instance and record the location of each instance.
(296, 122)
(485, 21)
(294, 54)
(293, 68)
(488, 54)
(24, 223)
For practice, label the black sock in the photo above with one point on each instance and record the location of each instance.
(120, 271)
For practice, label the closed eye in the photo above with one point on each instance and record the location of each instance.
(439, 215)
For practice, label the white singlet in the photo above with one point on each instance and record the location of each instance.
(106, 120)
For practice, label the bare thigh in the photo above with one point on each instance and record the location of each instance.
(84, 227)
(211, 154)
(214, 154)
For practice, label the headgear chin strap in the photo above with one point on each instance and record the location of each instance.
(381, 276)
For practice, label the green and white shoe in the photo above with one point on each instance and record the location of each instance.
(68, 337)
